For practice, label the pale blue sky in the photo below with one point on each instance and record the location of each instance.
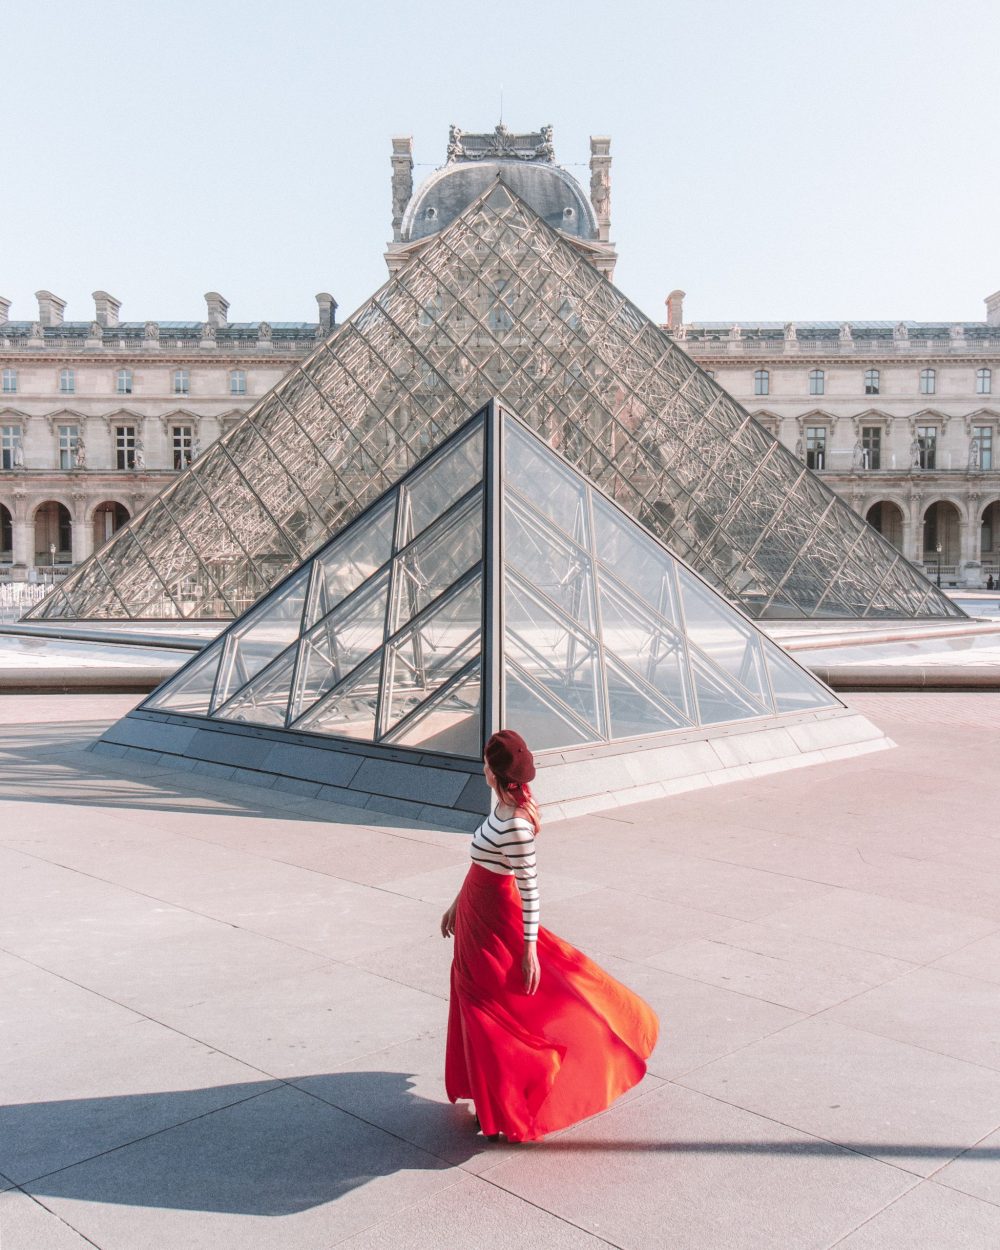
(776, 160)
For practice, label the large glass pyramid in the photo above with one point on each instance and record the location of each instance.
(499, 303)
(494, 585)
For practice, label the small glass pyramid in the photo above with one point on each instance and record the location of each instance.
(493, 585)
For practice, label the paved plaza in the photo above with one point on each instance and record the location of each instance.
(223, 1008)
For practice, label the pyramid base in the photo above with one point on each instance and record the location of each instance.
(451, 792)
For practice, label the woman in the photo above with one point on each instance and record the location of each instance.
(538, 1035)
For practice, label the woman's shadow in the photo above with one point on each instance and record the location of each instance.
(265, 1148)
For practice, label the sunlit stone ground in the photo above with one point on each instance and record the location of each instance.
(223, 1010)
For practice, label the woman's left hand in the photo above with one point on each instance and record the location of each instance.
(531, 968)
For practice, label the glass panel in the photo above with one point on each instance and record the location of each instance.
(719, 698)
(350, 560)
(646, 645)
(549, 562)
(728, 641)
(265, 700)
(190, 691)
(795, 690)
(432, 652)
(339, 643)
(349, 710)
(539, 476)
(437, 560)
(445, 480)
(542, 724)
(642, 565)
(633, 710)
(262, 635)
(450, 722)
(557, 656)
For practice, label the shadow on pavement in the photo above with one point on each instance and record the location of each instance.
(262, 1148)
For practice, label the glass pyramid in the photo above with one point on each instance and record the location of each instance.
(492, 585)
(498, 303)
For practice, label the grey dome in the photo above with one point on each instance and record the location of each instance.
(553, 193)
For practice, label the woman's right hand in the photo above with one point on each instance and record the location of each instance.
(448, 921)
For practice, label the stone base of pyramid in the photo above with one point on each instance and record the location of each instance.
(451, 792)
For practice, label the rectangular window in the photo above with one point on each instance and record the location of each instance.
(10, 446)
(761, 382)
(69, 436)
(237, 382)
(124, 446)
(817, 382)
(984, 381)
(816, 447)
(872, 381)
(984, 435)
(124, 381)
(182, 381)
(67, 382)
(871, 446)
(928, 381)
(10, 381)
(183, 442)
(927, 445)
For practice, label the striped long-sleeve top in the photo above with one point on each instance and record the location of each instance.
(505, 847)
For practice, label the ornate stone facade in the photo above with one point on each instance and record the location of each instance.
(98, 416)
(901, 420)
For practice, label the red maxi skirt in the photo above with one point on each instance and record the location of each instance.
(535, 1063)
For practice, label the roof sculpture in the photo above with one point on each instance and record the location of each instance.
(498, 302)
(492, 586)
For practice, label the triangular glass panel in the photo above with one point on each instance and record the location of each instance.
(261, 635)
(634, 709)
(436, 488)
(443, 554)
(343, 565)
(348, 710)
(644, 567)
(337, 645)
(719, 697)
(549, 562)
(431, 651)
(545, 723)
(190, 690)
(731, 643)
(450, 722)
(498, 301)
(794, 689)
(265, 700)
(646, 644)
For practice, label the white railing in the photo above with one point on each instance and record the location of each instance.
(834, 347)
(16, 598)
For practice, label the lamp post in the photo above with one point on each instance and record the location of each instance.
(939, 566)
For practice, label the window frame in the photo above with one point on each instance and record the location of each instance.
(927, 441)
(237, 381)
(816, 440)
(873, 381)
(985, 435)
(11, 438)
(67, 381)
(67, 441)
(181, 382)
(762, 382)
(984, 381)
(872, 447)
(9, 381)
(928, 381)
(817, 381)
(182, 445)
(125, 446)
(124, 381)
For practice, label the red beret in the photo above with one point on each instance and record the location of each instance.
(508, 756)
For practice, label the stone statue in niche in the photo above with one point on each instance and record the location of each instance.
(80, 454)
(600, 192)
(800, 449)
(975, 456)
(915, 454)
(858, 456)
(18, 453)
(139, 461)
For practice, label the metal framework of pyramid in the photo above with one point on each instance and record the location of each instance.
(492, 586)
(498, 303)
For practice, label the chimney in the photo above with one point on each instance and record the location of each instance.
(327, 310)
(106, 309)
(4, 310)
(50, 308)
(218, 309)
(402, 181)
(993, 309)
(675, 310)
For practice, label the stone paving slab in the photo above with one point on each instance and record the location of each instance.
(224, 1008)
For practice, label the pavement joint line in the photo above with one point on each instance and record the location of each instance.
(488, 1180)
(167, 1128)
(62, 1220)
(400, 1211)
(874, 1215)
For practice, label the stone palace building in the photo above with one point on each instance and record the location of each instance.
(902, 420)
(96, 417)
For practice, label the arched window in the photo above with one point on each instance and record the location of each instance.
(928, 381)
(182, 381)
(6, 534)
(872, 381)
(238, 382)
(817, 382)
(67, 381)
(9, 381)
(761, 382)
(984, 381)
(124, 382)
